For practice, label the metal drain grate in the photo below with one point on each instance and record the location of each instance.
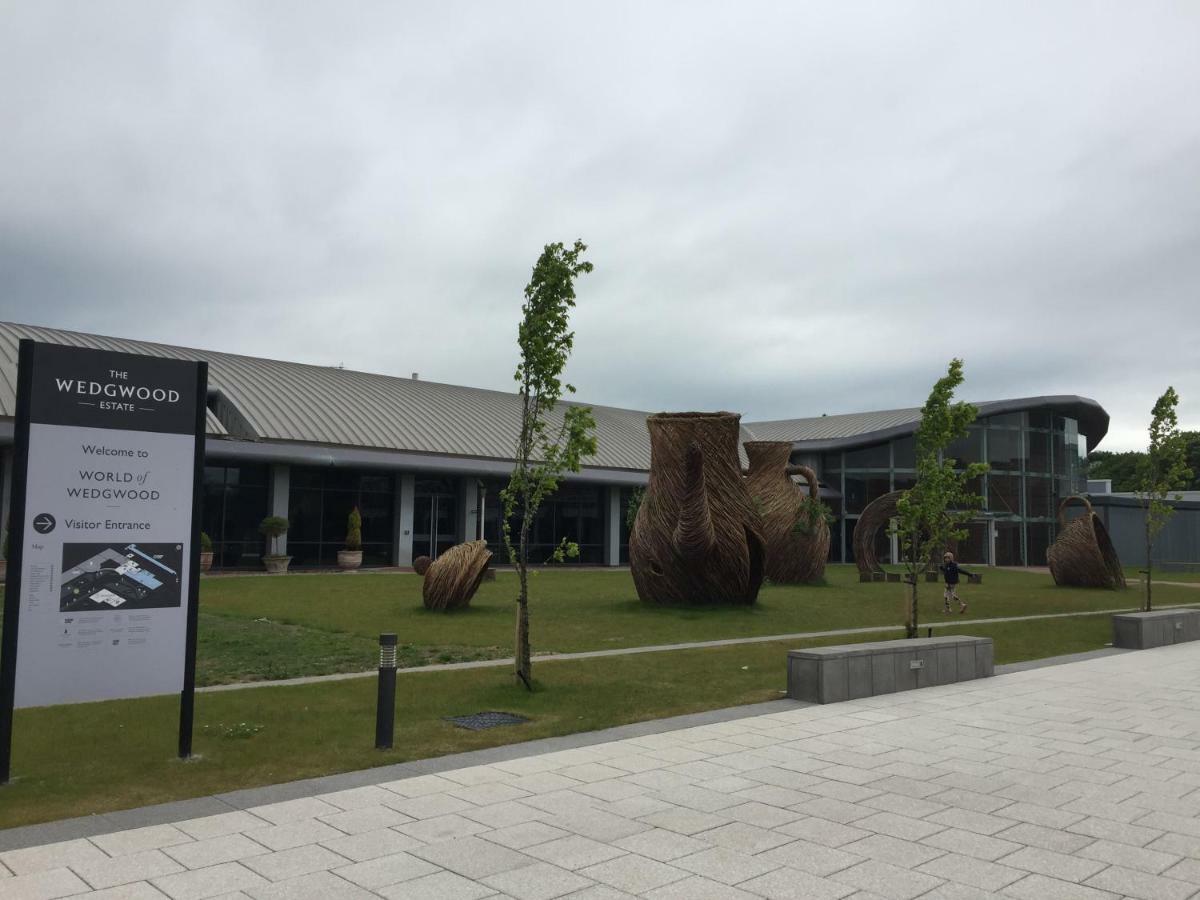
(481, 720)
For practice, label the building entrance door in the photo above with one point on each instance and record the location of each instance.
(434, 502)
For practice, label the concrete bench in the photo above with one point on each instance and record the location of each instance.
(850, 671)
(1159, 628)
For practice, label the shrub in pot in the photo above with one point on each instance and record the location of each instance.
(206, 552)
(351, 556)
(274, 527)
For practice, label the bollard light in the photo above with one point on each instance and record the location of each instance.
(385, 698)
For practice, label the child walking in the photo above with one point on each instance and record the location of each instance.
(951, 570)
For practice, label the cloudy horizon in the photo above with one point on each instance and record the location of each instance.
(792, 209)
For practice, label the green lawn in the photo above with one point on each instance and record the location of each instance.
(263, 628)
(88, 758)
(258, 628)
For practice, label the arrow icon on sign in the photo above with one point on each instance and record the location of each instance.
(43, 523)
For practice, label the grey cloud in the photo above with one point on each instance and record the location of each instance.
(793, 209)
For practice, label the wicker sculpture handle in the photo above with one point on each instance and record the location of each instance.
(814, 489)
(1062, 508)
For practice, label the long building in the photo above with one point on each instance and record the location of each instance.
(425, 462)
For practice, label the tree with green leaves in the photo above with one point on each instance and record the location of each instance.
(1161, 472)
(554, 437)
(932, 513)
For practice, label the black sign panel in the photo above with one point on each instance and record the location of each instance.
(103, 389)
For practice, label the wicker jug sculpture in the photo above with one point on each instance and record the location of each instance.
(452, 579)
(697, 538)
(795, 532)
(1083, 555)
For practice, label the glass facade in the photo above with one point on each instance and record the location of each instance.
(234, 503)
(319, 503)
(1036, 459)
(574, 512)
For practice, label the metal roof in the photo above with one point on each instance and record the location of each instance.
(269, 400)
(858, 429)
(256, 400)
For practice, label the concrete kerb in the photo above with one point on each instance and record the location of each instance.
(199, 807)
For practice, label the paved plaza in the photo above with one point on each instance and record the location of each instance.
(1071, 781)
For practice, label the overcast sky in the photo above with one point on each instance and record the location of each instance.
(793, 208)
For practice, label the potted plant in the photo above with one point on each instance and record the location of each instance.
(351, 557)
(274, 527)
(206, 552)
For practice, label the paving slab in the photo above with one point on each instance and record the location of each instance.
(1076, 780)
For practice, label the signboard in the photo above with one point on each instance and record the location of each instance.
(104, 528)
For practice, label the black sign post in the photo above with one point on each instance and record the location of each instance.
(103, 579)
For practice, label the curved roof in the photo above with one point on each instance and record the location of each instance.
(262, 399)
(859, 429)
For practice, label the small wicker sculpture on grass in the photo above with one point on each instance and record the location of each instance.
(796, 533)
(877, 514)
(697, 539)
(1083, 554)
(452, 579)
(421, 564)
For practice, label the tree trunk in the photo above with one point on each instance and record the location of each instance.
(524, 665)
(911, 631)
(1148, 563)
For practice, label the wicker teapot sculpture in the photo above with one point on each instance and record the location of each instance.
(793, 526)
(452, 579)
(697, 538)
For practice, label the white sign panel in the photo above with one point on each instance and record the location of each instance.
(107, 543)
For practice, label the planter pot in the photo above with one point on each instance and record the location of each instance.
(277, 565)
(349, 559)
(206, 561)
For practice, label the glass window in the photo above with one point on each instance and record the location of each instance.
(1007, 420)
(1039, 418)
(830, 462)
(1004, 450)
(1037, 537)
(234, 502)
(1008, 544)
(904, 453)
(968, 449)
(862, 489)
(1004, 494)
(319, 505)
(1038, 451)
(973, 548)
(875, 457)
(1039, 497)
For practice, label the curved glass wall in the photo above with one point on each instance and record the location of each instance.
(1036, 459)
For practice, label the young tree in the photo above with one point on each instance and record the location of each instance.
(548, 445)
(932, 512)
(1160, 472)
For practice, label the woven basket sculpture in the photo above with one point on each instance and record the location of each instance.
(421, 564)
(697, 537)
(1083, 555)
(797, 539)
(877, 514)
(452, 579)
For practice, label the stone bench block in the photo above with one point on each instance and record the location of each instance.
(1159, 628)
(850, 671)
